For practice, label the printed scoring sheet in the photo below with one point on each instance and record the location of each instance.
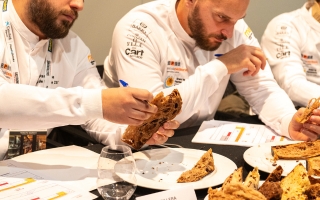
(234, 133)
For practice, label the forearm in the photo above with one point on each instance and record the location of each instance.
(29, 107)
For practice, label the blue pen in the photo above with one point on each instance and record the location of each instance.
(123, 83)
(218, 55)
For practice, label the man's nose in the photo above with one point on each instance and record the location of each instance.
(77, 5)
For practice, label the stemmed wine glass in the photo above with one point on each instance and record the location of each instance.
(116, 173)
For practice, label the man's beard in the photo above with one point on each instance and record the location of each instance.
(198, 32)
(45, 17)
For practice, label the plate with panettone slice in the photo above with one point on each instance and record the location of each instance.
(261, 156)
(161, 168)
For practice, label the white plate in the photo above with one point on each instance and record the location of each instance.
(207, 197)
(260, 156)
(160, 168)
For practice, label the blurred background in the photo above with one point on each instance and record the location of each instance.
(96, 22)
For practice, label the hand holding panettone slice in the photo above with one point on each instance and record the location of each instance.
(313, 104)
(168, 108)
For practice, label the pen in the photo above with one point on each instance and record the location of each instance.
(218, 55)
(123, 83)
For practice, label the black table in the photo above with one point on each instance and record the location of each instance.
(183, 137)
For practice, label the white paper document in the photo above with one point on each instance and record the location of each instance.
(60, 173)
(182, 193)
(235, 133)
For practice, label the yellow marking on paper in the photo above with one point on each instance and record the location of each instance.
(241, 130)
(28, 180)
(59, 194)
(282, 138)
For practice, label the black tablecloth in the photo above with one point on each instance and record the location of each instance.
(183, 137)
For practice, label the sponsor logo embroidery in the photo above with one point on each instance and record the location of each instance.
(283, 54)
(311, 71)
(283, 50)
(136, 38)
(134, 44)
(169, 81)
(50, 45)
(8, 32)
(133, 52)
(283, 31)
(5, 5)
(173, 63)
(16, 77)
(12, 54)
(248, 33)
(48, 68)
(6, 70)
(5, 66)
(306, 56)
(90, 59)
(308, 59)
(141, 27)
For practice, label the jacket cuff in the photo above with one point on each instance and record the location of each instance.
(92, 103)
(285, 122)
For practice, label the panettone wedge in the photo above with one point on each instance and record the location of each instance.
(203, 167)
(295, 184)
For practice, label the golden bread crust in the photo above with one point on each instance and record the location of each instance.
(298, 151)
(235, 177)
(235, 191)
(314, 166)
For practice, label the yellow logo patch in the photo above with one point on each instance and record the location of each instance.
(248, 33)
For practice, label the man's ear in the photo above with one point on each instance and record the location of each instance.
(190, 3)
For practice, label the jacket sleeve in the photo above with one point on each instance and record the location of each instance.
(147, 71)
(30, 107)
(282, 42)
(262, 92)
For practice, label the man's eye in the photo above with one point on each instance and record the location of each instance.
(220, 16)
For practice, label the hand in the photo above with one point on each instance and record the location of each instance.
(309, 131)
(244, 57)
(164, 132)
(127, 105)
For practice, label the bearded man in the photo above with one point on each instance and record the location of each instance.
(197, 46)
(48, 77)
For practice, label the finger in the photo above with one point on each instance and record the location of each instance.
(316, 112)
(257, 64)
(157, 139)
(251, 68)
(260, 55)
(144, 106)
(312, 127)
(166, 132)
(311, 136)
(139, 115)
(141, 94)
(133, 122)
(172, 124)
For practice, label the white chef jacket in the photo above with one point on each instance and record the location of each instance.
(67, 100)
(291, 43)
(151, 50)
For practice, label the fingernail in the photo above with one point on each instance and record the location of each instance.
(161, 130)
